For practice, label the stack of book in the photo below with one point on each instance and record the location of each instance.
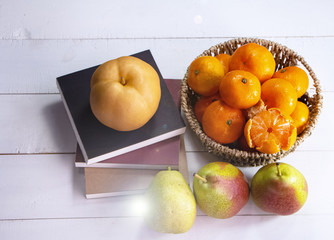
(120, 163)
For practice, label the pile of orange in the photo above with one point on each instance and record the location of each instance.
(230, 87)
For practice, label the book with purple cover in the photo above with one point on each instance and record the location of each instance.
(156, 156)
(98, 142)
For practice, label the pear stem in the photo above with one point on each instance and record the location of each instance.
(279, 173)
(199, 177)
(123, 82)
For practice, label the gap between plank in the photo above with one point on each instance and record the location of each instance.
(154, 38)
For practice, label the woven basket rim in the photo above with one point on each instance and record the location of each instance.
(241, 157)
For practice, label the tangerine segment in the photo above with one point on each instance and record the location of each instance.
(270, 131)
(205, 74)
(296, 76)
(240, 89)
(254, 58)
(279, 93)
(223, 123)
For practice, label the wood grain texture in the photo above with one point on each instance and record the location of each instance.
(39, 124)
(239, 227)
(35, 124)
(31, 66)
(171, 19)
(49, 186)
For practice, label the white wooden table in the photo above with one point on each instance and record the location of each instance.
(42, 193)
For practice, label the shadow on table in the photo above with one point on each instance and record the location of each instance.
(64, 141)
(60, 129)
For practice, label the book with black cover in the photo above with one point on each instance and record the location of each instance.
(99, 142)
(159, 155)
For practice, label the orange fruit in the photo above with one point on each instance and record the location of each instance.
(296, 76)
(240, 89)
(270, 131)
(205, 74)
(279, 93)
(300, 116)
(254, 58)
(202, 103)
(225, 60)
(223, 123)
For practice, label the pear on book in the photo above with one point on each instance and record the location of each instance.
(171, 203)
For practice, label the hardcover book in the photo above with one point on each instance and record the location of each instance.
(108, 182)
(159, 155)
(98, 142)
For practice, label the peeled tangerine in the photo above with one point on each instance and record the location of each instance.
(270, 131)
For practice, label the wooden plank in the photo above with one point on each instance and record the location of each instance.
(35, 124)
(238, 227)
(31, 66)
(49, 186)
(39, 124)
(172, 19)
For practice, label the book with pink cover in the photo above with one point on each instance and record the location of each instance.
(109, 182)
(156, 156)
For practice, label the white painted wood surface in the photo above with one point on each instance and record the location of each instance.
(42, 193)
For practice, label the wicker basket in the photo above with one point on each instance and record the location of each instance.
(284, 57)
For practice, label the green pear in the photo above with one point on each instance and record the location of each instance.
(279, 188)
(220, 190)
(171, 203)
